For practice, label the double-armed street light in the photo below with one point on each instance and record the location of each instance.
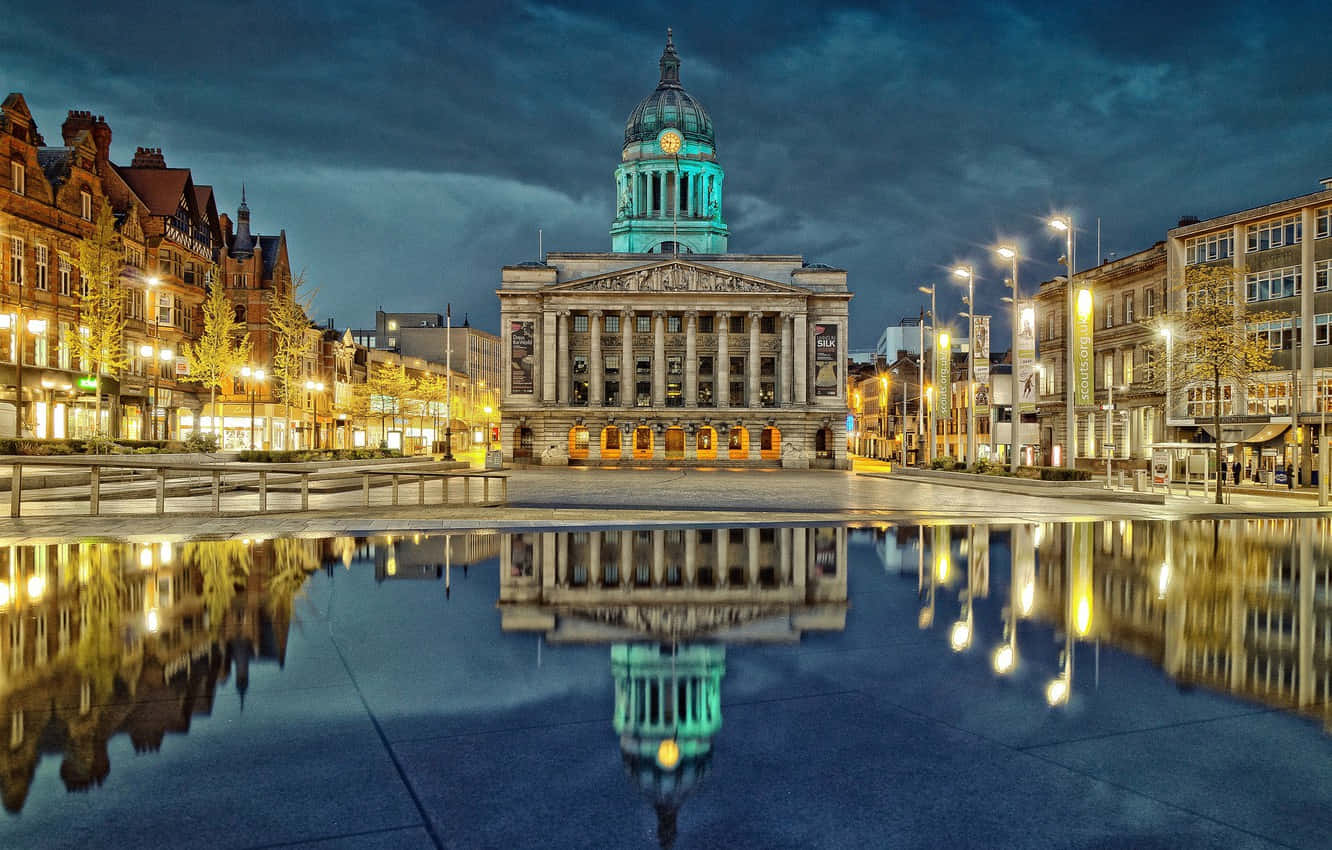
(313, 387)
(969, 273)
(924, 416)
(159, 356)
(1010, 253)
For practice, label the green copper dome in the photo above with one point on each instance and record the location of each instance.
(669, 106)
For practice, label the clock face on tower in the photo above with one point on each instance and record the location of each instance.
(670, 142)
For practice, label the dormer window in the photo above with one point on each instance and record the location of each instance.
(17, 178)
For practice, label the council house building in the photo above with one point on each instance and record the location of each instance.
(668, 349)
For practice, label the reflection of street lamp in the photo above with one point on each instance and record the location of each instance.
(253, 376)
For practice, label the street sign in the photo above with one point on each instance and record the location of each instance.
(1161, 467)
(88, 382)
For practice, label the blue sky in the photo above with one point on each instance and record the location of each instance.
(411, 149)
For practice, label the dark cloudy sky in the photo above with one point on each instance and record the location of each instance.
(411, 149)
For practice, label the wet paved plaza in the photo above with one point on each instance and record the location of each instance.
(1109, 683)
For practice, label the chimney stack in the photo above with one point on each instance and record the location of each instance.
(1186, 220)
(148, 158)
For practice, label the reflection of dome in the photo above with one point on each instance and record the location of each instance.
(664, 694)
(669, 106)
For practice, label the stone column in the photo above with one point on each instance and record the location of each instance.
(659, 445)
(593, 558)
(752, 394)
(562, 559)
(784, 363)
(723, 544)
(721, 391)
(691, 359)
(596, 373)
(658, 358)
(658, 558)
(593, 443)
(784, 557)
(548, 357)
(691, 558)
(800, 358)
(799, 559)
(546, 561)
(626, 557)
(691, 446)
(627, 358)
(562, 368)
(752, 544)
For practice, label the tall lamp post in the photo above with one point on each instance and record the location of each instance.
(313, 387)
(1064, 224)
(883, 413)
(159, 356)
(1010, 253)
(488, 410)
(969, 273)
(925, 416)
(253, 377)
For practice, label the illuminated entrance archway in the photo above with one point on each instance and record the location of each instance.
(706, 443)
(737, 444)
(770, 443)
(675, 443)
(522, 443)
(610, 443)
(578, 442)
(642, 443)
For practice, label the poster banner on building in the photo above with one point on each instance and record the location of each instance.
(521, 357)
(1161, 467)
(980, 338)
(1083, 388)
(1026, 359)
(825, 360)
(943, 361)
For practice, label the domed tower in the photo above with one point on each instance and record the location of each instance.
(667, 710)
(668, 184)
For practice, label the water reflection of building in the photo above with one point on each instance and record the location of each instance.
(425, 556)
(102, 639)
(731, 584)
(1243, 606)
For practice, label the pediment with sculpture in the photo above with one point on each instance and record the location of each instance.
(677, 277)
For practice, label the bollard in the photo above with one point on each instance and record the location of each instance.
(16, 490)
(365, 489)
(217, 493)
(305, 491)
(395, 489)
(95, 491)
(263, 492)
(161, 490)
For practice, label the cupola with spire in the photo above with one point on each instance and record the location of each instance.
(668, 183)
(242, 247)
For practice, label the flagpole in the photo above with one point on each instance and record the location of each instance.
(448, 382)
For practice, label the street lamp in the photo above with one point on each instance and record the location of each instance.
(253, 376)
(922, 416)
(1014, 444)
(1064, 224)
(488, 410)
(313, 387)
(969, 273)
(883, 411)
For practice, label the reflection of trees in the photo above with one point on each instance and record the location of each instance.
(224, 565)
(293, 561)
(100, 648)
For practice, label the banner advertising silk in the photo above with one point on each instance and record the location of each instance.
(825, 360)
(980, 337)
(1026, 359)
(521, 357)
(943, 361)
(1083, 388)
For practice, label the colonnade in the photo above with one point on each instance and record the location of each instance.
(659, 192)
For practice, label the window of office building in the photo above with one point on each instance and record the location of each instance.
(1202, 401)
(1108, 367)
(1109, 311)
(673, 324)
(643, 394)
(705, 323)
(1273, 283)
(1128, 307)
(1323, 223)
(674, 365)
(85, 205)
(1128, 367)
(768, 325)
(705, 394)
(580, 323)
(16, 260)
(1204, 249)
(64, 274)
(612, 323)
(1322, 275)
(674, 394)
(17, 179)
(737, 324)
(41, 267)
(612, 362)
(611, 394)
(737, 394)
(1274, 233)
(642, 323)
(642, 365)
(1278, 335)
(705, 365)
(1149, 302)
(1322, 322)
(580, 364)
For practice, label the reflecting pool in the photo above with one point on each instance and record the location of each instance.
(1097, 683)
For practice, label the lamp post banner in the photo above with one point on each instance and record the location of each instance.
(1026, 359)
(943, 361)
(1083, 389)
(980, 337)
(521, 357)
